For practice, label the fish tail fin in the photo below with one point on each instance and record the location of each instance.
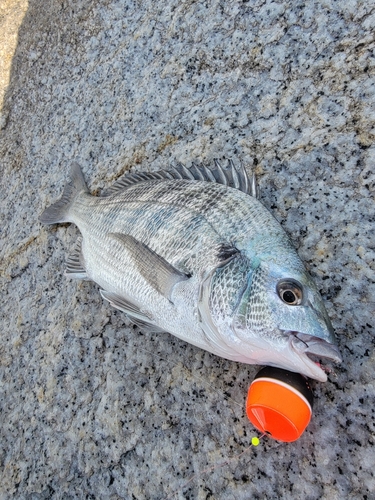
(59, 211)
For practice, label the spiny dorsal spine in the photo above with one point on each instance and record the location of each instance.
(229, 176)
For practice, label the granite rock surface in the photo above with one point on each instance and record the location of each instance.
(91, 407)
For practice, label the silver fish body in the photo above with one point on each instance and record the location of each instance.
(193, 253)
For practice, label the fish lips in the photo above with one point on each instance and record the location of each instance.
(310, 349)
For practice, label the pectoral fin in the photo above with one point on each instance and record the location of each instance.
(161, 275)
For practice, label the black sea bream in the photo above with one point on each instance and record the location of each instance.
(193, 252)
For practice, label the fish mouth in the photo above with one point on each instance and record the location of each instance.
(314, 352)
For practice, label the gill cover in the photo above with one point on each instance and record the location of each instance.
(220, 293)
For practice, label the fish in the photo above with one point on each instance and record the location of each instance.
(194, 252)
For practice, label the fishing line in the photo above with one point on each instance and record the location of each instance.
(255, 441)
(171, 363)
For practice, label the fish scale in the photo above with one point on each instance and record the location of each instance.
(195, 253)
(147, 223)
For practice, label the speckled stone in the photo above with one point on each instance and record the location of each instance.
(91, 407)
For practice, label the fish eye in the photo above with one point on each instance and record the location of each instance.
(290, 292)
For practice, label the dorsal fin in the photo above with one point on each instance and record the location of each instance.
(229, 176)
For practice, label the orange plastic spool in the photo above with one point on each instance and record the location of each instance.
(279, 403)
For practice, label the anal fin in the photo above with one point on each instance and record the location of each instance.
(75, 265)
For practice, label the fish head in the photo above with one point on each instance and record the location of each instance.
(270, 312)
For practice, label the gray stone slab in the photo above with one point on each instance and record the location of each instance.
(90, 406)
